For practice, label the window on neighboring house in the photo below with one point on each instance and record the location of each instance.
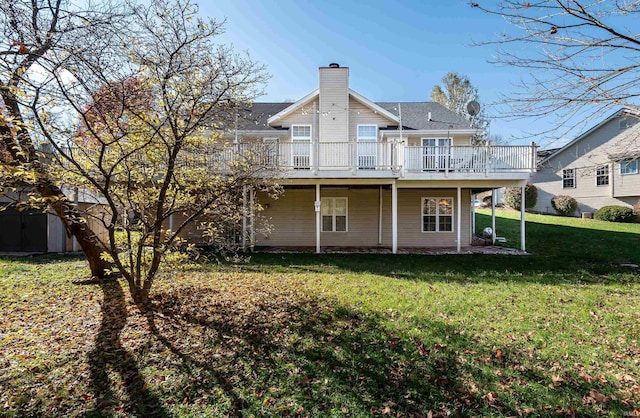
(569, 178)
(437, 214)
(334, 214)
(602, 175)
(629, 167)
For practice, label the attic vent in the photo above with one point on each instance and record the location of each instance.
(334, 65)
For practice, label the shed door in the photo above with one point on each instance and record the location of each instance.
(24, 231)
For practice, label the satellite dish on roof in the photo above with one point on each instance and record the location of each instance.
(473, 108)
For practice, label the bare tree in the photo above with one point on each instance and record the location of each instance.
(582, 57)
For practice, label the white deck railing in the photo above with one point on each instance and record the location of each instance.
(470, 159)
(336, 156)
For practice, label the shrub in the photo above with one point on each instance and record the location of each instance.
(512, 196)
(487, 200)
(564, 205)
(614, 214)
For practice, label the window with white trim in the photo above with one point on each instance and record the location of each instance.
(301, 146)
(437, 214)
(301, 132)
(569, 178)
(367, 136)
(629, 167)
(602, 175)
(334, 214)
(367, 133)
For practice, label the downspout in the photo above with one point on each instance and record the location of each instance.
(315, 138)
(612, 176)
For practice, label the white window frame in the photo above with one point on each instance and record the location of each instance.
(572, 178)
(628, 163)
(436, 157)
(296, 148)
(367, 153)
(271, 150)
(437, 214)
(602, 172)
(334, 215)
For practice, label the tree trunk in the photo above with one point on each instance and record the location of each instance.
(76, 226)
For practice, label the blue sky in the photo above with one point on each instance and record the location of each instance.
(396, 50)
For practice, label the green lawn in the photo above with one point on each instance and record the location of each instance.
(553, 333)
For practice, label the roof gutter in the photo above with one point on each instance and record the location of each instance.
(407, 132)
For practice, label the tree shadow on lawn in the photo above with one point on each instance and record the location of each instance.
(278, 353)
(108, 353)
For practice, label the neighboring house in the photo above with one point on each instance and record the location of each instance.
(32, 231)
(598, 168)
(361, 173)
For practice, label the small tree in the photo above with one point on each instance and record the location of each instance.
(512, 196)
(138, 122)
(564, 205)
(456, 92)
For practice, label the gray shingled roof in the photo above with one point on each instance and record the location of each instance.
(414, 116)
(255, 118)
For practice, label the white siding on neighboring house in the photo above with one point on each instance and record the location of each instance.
(585, 156)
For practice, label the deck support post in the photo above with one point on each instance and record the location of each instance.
(394, 217)
(458, 221)
(493, 216)
(380, 215)
(473, 215)
(252, 219)
(522, 221)
(317, 205)
(244, 218)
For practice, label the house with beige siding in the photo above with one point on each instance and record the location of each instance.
(361, 173)
(598, 168)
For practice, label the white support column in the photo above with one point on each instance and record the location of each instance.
(493, 216)
(244, 218)
(394, 217)
(522, 222)
(252, 218)
(458, 221)
(74, 241)
(473, 214)
(380, 216)
(317, 206)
